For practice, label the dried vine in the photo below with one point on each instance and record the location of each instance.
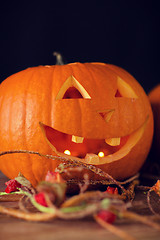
(86, 203)
(74, 163)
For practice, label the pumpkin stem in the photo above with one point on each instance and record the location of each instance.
(59, 59)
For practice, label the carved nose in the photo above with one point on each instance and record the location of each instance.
(106, 115)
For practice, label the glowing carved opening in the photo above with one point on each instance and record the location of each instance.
(106, 115)
(67, 152)
(72, 93)
(124, 89)
(70, 85)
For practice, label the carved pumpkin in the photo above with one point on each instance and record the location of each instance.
(154, 97)
(97, 111)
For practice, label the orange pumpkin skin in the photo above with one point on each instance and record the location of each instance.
(34, 95)
(154, 97)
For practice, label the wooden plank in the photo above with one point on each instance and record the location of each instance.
(16, 229)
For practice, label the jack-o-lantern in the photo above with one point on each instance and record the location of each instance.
(154, 97)
(98, 112)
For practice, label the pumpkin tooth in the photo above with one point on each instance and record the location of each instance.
(77, 139)
(113, 141)
(90, 157)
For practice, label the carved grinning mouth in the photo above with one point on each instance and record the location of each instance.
(92, 151)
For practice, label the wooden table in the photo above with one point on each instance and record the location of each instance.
(15, 229)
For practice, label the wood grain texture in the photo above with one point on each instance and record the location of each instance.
(15, 229)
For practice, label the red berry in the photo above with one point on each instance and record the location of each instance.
(40, 198)
(12, 186)
(107, 216)
(112, 190)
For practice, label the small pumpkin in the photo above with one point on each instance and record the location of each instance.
(96, 111)
(154, 97)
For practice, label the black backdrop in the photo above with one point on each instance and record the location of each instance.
(124, 33)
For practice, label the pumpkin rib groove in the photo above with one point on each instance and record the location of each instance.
(51, 96)
(9, 131)
(92, 77)
(82, 114)
(11, 136)
(51, 103)
(52, 108)
(80, 111)
(1, 102)
(43, 114)
(25, 127)
(28, 158)
(105, 71)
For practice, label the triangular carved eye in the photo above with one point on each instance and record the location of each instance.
(71, 89)
(118, 94)
(124, 89)
(71, 93)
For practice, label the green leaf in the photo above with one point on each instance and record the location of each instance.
(23, 181)
(73, 209)
(4, 193)
(105, 203)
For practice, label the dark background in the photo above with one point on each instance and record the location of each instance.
(124, 33)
